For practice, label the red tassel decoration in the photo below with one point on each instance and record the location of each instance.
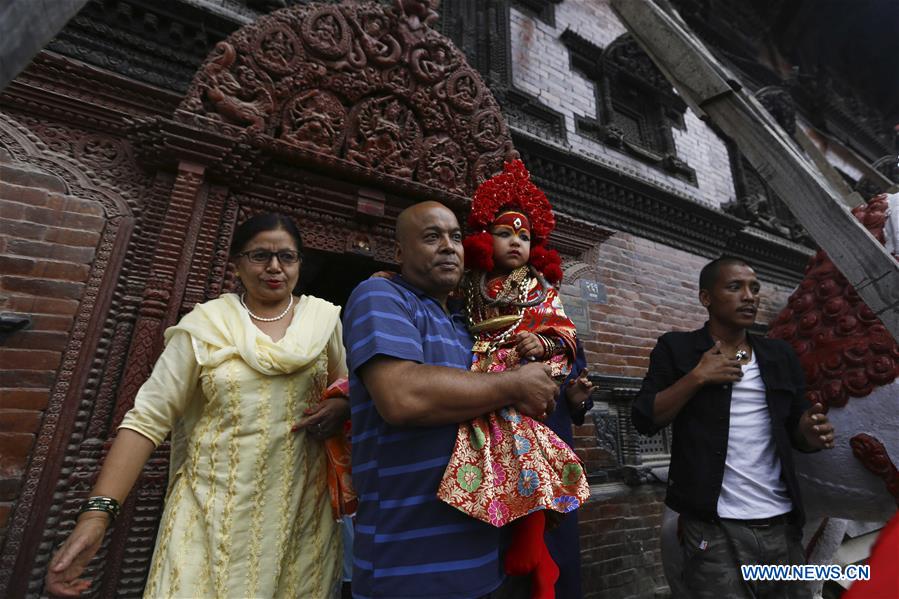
(479, 251)
(548, 262)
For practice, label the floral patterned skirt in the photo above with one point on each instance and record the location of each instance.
(506, 465)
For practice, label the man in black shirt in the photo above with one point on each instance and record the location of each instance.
(737, 405)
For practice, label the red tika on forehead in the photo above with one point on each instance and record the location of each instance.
(844, 349)
(514, 220)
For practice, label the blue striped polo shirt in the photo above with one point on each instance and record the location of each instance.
(408, 543)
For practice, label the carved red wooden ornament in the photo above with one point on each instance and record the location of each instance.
(843, 347)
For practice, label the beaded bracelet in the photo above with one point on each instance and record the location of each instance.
(101, 504)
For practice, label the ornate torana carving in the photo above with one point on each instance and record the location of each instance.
(373, 94)
(358, 82)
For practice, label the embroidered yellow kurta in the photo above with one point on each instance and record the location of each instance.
(247, 511)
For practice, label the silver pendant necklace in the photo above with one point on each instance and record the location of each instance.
(741, 353)
(260, 318)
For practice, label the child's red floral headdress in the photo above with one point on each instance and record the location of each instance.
(511, 189)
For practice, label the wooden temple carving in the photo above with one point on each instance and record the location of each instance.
(351, 87)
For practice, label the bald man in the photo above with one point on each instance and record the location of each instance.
(409, 354)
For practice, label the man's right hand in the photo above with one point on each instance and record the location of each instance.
(74, 555)
(716, 368)
(538, 390)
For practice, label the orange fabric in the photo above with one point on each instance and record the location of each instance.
(337, 449)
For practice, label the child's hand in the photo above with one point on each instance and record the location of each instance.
(528, 346)
(578, 391)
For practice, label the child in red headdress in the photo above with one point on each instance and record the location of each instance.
(505, 465)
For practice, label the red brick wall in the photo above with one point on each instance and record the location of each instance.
(47, 243)
(652, 288)
(619, 544)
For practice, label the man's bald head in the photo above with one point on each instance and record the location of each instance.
(429, 248)
(409, 220)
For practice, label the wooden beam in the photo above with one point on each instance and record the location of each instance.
(850, 197)
(712, 91)
(26, 26)
(872, 174)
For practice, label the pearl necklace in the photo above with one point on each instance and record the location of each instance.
(260, 318)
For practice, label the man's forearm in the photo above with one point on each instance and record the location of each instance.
(670, 402)
(412, 394)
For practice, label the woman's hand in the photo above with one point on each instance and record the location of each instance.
(74, 554)
(528, 346)
(325, 419)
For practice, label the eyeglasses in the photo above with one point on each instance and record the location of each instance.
(265, 256)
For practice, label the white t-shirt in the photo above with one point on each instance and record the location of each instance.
(752, 487)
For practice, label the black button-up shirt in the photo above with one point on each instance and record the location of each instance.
(701, 428)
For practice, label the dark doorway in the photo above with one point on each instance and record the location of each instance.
(333, 276)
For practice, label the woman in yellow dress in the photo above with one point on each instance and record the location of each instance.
(247, 512)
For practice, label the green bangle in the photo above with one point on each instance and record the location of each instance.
(101, 504)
